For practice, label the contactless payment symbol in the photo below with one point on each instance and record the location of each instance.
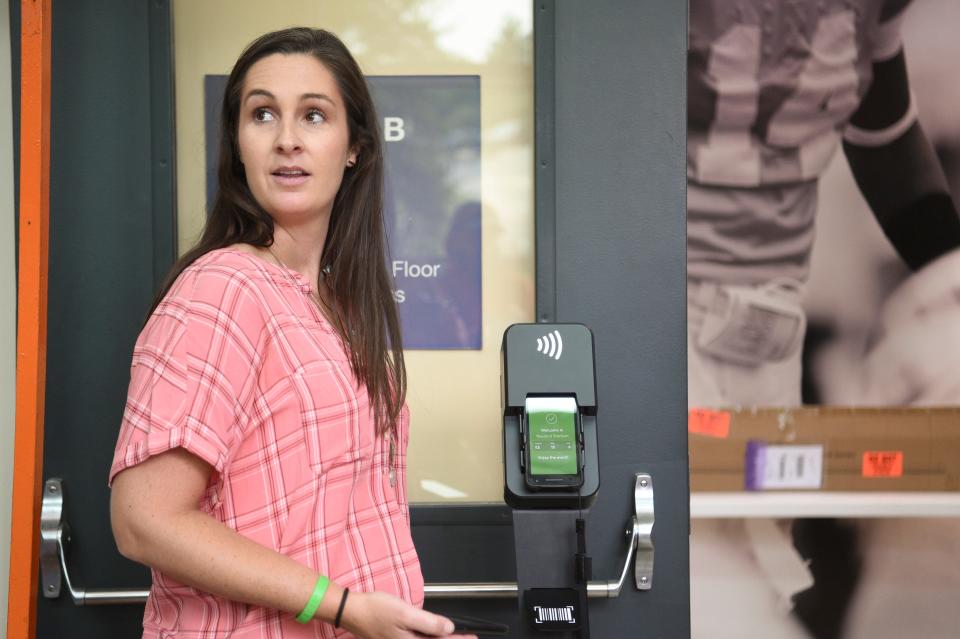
(550, 345)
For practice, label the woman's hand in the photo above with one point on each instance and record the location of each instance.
(377, 615)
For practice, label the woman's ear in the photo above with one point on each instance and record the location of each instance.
(352, 158)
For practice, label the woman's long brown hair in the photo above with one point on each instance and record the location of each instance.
(355, 250)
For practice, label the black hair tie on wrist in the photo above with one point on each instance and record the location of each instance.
(343, 602)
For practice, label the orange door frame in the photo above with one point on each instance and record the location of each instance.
(35, 37)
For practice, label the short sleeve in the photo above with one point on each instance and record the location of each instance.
(194, 370)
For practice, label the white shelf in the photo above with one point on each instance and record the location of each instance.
(814, 504)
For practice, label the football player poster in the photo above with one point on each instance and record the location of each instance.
(823, 267)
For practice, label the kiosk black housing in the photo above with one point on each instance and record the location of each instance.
(548, 360)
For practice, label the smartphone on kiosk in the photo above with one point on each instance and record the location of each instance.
(552, 441)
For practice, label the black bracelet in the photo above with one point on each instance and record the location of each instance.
(343, 602)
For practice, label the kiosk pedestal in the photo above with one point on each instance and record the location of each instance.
(551, 603)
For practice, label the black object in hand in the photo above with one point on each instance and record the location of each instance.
(479, 627)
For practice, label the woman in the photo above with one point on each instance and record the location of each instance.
(260, 467)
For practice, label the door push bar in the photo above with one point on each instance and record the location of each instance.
(55, 535)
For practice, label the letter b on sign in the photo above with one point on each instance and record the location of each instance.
(393, 129)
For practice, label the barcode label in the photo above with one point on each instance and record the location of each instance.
(547, 615)
(783, 467)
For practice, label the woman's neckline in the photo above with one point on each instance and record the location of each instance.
(284, 270)
(286, 276)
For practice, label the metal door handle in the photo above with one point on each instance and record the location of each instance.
(55, 535)
(54, 532)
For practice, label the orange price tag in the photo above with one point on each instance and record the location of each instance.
(883, 463)
(712, 423)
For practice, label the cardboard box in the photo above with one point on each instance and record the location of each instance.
(827, 449)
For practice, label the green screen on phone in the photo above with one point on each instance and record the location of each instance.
(553, 443)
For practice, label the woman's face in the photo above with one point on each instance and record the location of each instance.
(293, 136)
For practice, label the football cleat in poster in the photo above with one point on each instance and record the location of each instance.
(431, 142)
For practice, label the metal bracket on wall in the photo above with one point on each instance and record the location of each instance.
(643, 505)
(51, 530)
(55, 535)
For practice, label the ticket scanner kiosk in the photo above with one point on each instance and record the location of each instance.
(551, 471)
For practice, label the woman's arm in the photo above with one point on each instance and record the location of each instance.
(154, 509)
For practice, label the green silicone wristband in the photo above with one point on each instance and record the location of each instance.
(319, 590)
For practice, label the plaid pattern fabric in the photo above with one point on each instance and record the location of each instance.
(238, 366)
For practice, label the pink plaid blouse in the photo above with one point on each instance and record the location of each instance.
(239, 367)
